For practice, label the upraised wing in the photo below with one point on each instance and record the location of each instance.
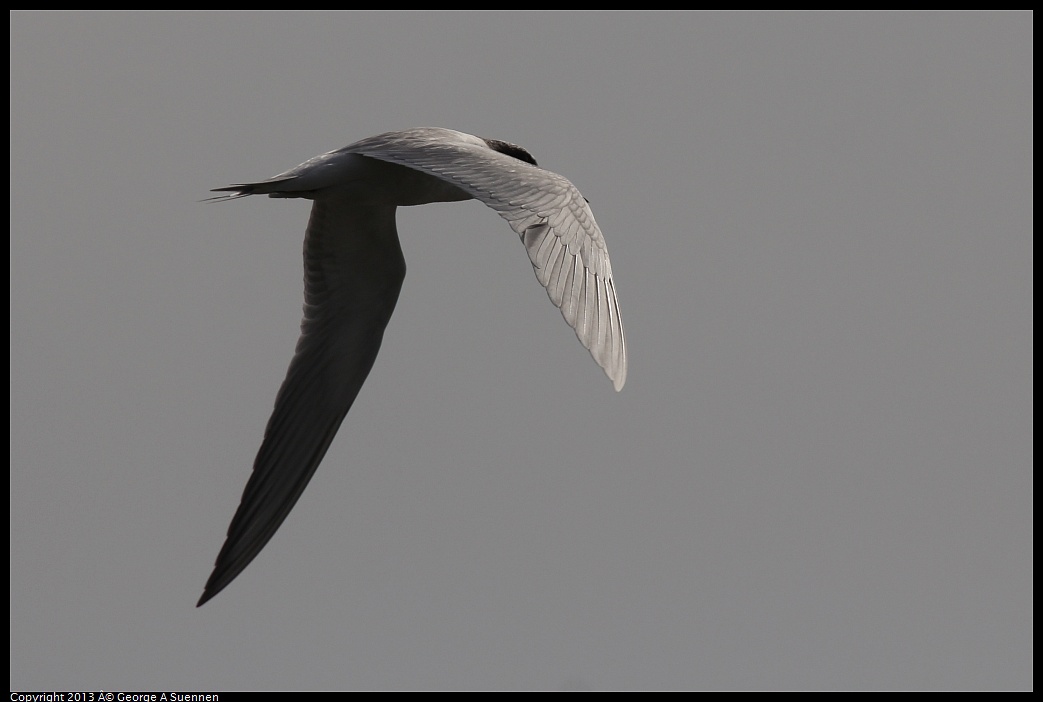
(553, 219)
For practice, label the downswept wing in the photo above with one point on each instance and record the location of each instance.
(351, 286)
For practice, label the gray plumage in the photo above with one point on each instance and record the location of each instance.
(353, 274)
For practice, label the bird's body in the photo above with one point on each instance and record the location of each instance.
(353, 274)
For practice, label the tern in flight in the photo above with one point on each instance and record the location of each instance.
(353, 271)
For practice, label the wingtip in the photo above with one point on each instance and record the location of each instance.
(618, 379)
(210, 590)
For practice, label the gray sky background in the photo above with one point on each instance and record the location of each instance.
(817, 476)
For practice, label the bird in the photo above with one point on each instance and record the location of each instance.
(353, 272)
